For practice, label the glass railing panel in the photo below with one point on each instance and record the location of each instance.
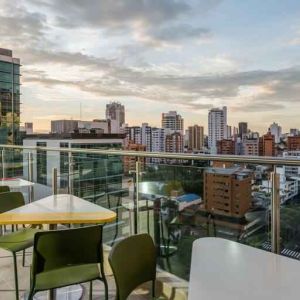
(182, 201)
(14, 166)
(289, 177)
(100, 179)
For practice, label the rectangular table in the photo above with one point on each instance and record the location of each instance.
(227, 270)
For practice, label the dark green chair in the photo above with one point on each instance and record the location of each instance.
(66, 257)
(4, 189)
(133, 262)
(19, 240)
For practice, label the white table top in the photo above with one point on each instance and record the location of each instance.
(15, 182)
(57, 209)
(227, 270)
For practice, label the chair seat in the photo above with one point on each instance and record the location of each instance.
(19, 240)
(66, 276)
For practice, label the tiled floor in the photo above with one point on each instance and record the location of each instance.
(7, 281)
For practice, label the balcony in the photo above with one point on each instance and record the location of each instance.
(169, 196)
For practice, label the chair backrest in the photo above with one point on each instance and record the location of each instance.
(4, 189)
(11, 200)
(133, 261)
(69, 247)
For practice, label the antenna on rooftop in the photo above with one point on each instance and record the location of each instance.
(80, 112)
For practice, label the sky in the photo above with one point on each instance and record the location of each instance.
(154, 56)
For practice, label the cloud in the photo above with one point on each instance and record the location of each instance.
(172, 34)
(253, 90)
(118, 14)
(19, 26)
(152, 22)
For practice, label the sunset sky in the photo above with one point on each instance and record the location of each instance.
(155, 56)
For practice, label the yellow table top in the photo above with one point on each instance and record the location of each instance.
(57, 209)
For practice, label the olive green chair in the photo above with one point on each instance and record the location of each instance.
(133, 262)
(4, 189)
(18, 240)
(66, 257)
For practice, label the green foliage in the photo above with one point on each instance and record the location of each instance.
(173, 186)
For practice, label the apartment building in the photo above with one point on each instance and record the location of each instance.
(226, 147)
(227, 191)
(195, 138)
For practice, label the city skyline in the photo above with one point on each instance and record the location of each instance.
(157, 56)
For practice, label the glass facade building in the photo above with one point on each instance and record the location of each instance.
(9, 97)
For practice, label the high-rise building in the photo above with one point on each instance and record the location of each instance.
(158, 139)
(9, 97)
(195, 138)
(251, 147)
(174, 142)
(217, 127)
(229, 132)
(243, 129)
(293, 143)
(173, 121)
(116, 111)
(267, 145)
(146, 137)
(276, 130)
(134, 134)
(226, 147)
(227, 191)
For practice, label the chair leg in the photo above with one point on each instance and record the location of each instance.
(16, 275)
(91, 290)
(153, 289)
(31, 294)
(23, 258)
(103, 278)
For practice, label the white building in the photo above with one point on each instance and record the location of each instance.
(45, 161)
(217, 127)
(292, 171)
(276, 130)
(158, 136)
(288, 188)
(153, 138)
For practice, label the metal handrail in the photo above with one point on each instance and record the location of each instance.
(264, 160)
(270, 161)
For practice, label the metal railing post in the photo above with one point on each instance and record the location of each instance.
(136, 198)
(30, 166)
(70, 173)
(275, 212)
(30, 175)
(54, 181)
(3, 162)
